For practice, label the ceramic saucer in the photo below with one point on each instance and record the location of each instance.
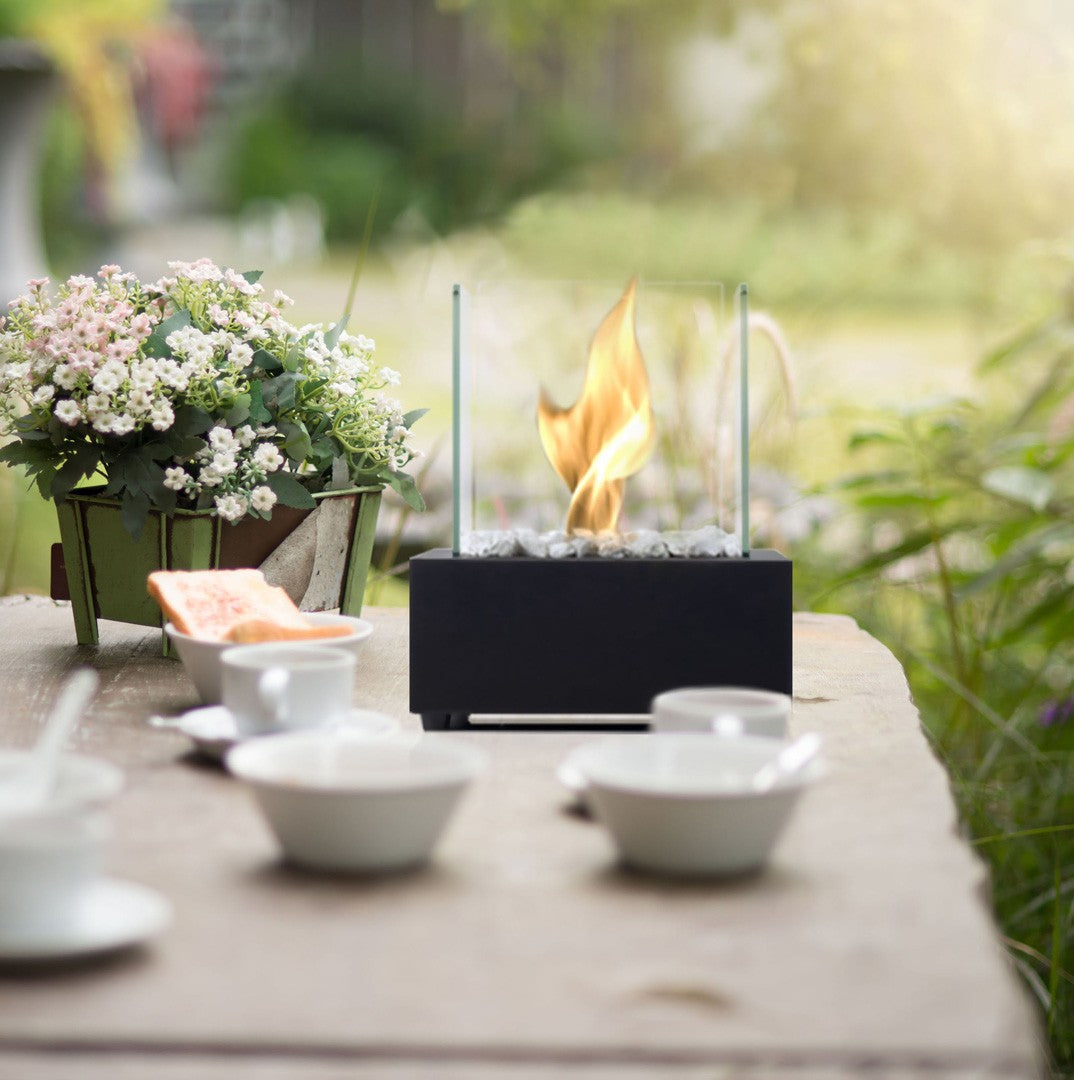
(112, 915)
(213, 732)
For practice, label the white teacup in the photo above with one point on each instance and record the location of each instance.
(722, 709)
(285, 687)
(47, 865)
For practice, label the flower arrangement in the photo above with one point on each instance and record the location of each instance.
(195, 392)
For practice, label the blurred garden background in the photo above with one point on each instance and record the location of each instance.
(895, 181)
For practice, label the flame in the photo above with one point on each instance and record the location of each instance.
(607, 434)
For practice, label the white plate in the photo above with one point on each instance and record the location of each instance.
(112, 915)
(213, 729)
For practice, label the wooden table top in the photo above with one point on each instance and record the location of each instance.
(522, 950)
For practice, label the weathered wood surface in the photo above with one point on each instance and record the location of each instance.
(523, 951)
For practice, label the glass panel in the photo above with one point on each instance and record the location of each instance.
(742, 418)
(526, 348)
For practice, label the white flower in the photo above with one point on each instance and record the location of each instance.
(104, 422)
(223, 463)
(176, 478)
(240, 355)
(143, 375)
(110, 377)
(267, 457)
(67, 412)
(390, 376)
(171, 373)
(123, 424)
(210, 476)
(139, 402)
(223, 439)
(263, 498)
(161, 416)
(230, 507)
(44, 393)
(97, 404)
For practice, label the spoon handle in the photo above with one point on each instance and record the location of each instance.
(73, 699)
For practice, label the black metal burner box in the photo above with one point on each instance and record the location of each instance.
(496, 637)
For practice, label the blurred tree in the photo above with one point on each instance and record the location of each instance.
(956, 115)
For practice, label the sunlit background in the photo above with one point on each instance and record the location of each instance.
(894, 180)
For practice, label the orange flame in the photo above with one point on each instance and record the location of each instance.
(607, 434)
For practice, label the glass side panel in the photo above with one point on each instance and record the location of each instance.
(533, 382)
(742, 414)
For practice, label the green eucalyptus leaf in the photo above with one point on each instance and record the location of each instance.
(258, 413)
(331, 337)
(158, 450)
(296, 353)
(157, 342)
(412, 417)
(64, 479)
(278, 393)
(190, 420)
(239, 411)
(296, 440)
(32, 455)
(134, 512)
(267, 361)
(403, 484)
(289, 491)
(1031, 487)
(252, 276)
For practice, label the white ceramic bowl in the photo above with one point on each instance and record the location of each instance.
(348, 803)
(681, 803)
(202, 658)
(81, 781)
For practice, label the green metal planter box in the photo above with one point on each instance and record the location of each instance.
(104, 570)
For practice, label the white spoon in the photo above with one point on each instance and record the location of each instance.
(790, 761)
(29, 788)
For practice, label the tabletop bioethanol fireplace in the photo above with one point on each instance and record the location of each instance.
(601, 549)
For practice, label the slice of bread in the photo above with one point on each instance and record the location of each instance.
(206, 604)
(248, 631)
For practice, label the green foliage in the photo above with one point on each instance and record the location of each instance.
(343, 134)
(823, 258)
(965, 513)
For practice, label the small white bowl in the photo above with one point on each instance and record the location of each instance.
(81, 781)
(202, 658)
(348, 803)
(681, 804)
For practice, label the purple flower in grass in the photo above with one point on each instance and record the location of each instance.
(1057, 712)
